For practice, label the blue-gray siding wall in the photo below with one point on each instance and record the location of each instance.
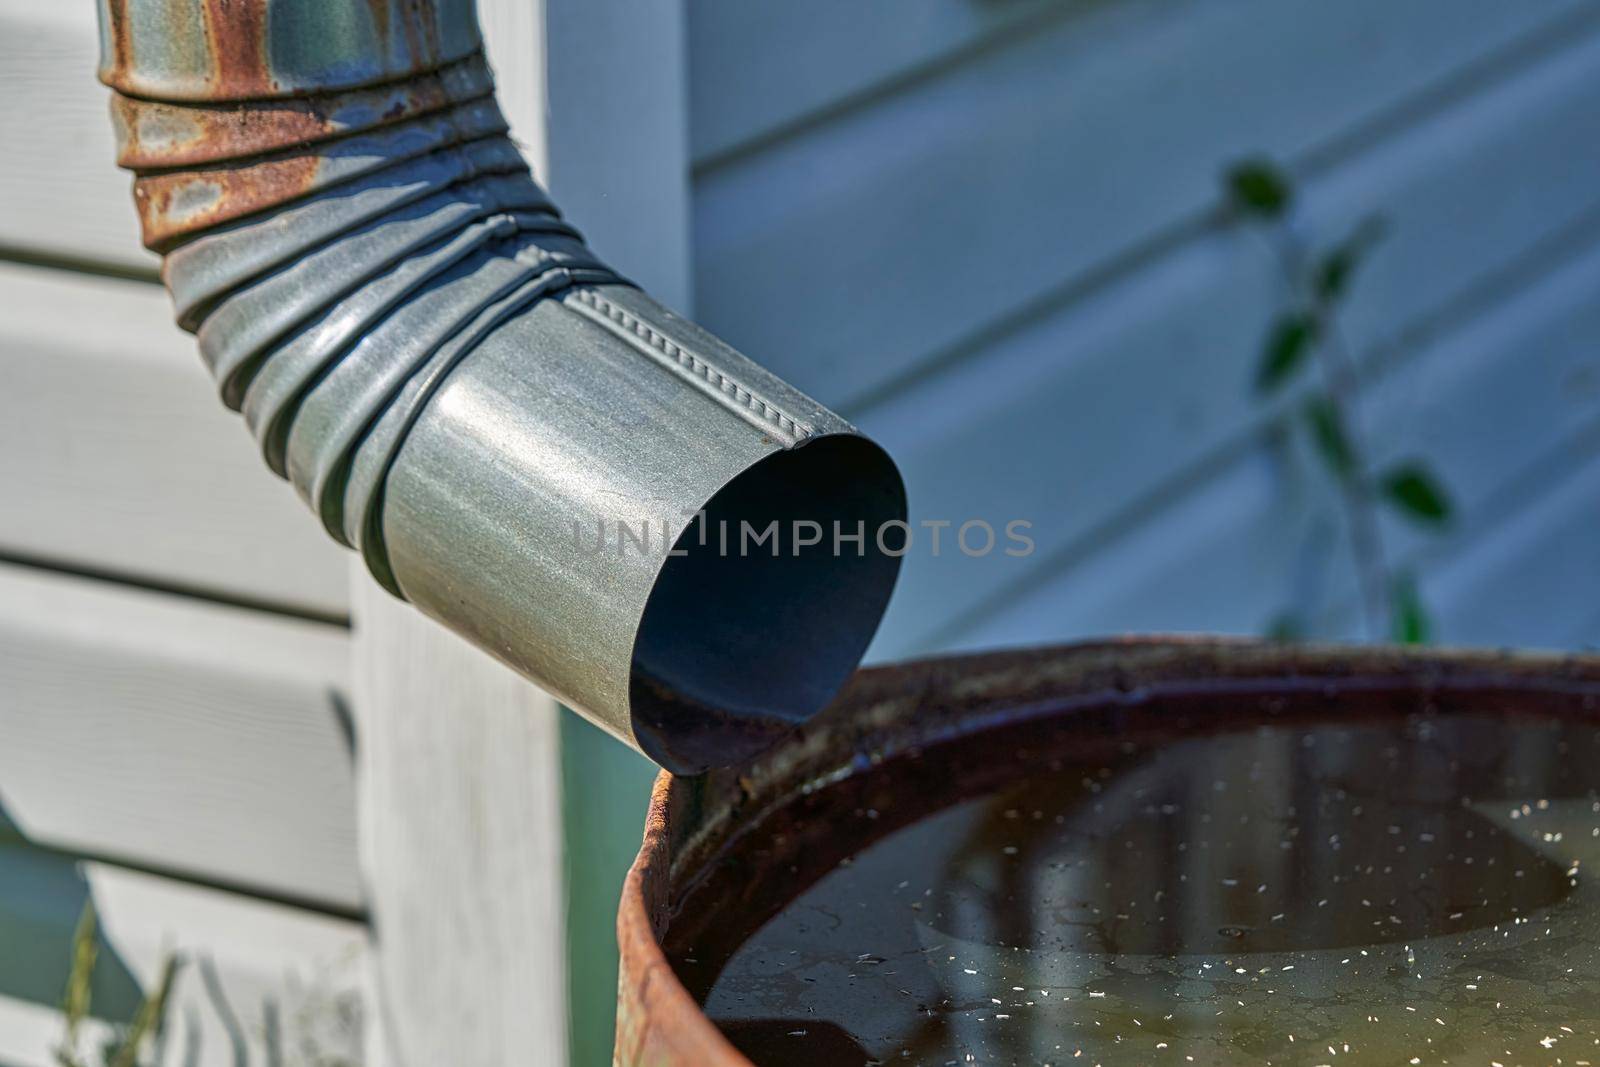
(993, 234)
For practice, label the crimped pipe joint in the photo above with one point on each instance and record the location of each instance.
(518, 441)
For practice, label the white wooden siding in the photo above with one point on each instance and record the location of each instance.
(177, 735)
(174, 661)
(1098, 405)
(60, 197)
(258, 983)
(996, 240)
(116, 455)
(758, 70)
(460, 802)
(844, 255)
(1524, 581)
(1516, 588)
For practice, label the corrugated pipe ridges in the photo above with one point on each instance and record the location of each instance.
(328, 251)
(465, 394)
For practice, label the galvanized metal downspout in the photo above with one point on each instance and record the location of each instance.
(465, 394)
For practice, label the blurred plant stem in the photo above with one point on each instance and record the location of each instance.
(1318, 282)
(77, 1001)
(1332, 417)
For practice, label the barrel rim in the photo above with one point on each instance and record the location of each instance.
(885, 709)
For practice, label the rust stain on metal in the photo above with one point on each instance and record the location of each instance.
(250, 148)
(418, 21)
(215, 50)
(121, 41)
(380, 11)
(236, 34)
(175, 205)
(156, 134)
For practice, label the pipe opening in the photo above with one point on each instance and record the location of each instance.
(739, 644)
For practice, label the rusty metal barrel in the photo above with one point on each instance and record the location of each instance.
(979, 717)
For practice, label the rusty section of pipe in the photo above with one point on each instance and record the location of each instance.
(158, 134)
(226, 108)
(217, 50)
(175, 204)
(456, 385)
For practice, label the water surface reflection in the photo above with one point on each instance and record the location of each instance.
(1375, 892)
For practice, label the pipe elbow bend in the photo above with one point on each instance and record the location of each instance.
(522, 444)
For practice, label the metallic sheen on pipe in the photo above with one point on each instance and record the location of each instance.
(461, 391)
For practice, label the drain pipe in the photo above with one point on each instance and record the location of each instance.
(519, 442)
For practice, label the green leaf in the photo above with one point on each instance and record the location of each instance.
(1411, 623)
(1414, 491)
(1288, 343)
(1327, 433)
(1334, 271)
(1259, 187)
